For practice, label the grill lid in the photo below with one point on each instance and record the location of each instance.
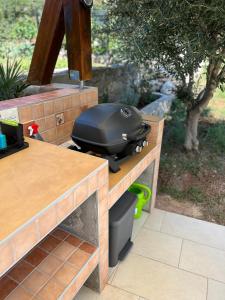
(107, 124)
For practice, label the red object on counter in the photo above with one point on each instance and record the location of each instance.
(35, 127)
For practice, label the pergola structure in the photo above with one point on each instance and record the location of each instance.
(63, 17)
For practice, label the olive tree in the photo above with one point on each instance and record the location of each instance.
(180, 36)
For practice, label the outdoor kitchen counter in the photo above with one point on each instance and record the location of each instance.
(40, 187)
(142, 167)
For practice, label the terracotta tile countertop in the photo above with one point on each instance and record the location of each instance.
(39, 187)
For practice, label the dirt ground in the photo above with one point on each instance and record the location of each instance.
(193, 184)
(166, 202)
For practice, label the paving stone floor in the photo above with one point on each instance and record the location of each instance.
(174, 257)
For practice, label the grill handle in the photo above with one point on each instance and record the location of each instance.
(140, 133)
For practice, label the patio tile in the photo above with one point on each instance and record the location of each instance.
(65, 207)
(38, 111)
(48, 108)
(20, 294)
(51, 216)
(41, 124)
(73, 240)
(81, 193)
(50, 291)
(138, 224)
(50, 243)
(50, 265)
(60, 234)
(35, 281)
(65, 274)
(20, 271)
(50, 122)
(7, 285)
(25, 240)
(49, 135)
(6, 257)
(109, 293)
(36, 256)
(155, 219)
(87, 247)
(78, 258)
(195, 230)
(67, 102)
(58, 105)
(63, 251)
(216, 290)
(158, 246)
(112, 272)
(25, 113)
(203, 260)
(154, 280)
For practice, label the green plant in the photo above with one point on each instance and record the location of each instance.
(104, 46)
(24, 29)
(12, 81)
(104, 98)
(215, 137)
(133, 101)
(174, 134)
(19, 21)
(181, 37)
(147, 97)
(193, 194)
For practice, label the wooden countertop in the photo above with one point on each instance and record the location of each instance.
(32, 179)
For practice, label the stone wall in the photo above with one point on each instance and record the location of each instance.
(161, 106)
(118, 83)
(124, 83)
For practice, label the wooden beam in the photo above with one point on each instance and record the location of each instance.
(78, 37)
(48, 43)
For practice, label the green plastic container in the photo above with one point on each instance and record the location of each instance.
(143, 193)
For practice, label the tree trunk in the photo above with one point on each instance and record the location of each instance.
(215, 72)
(193, 115)
(191, 139)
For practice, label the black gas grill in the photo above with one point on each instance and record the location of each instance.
(113, 131)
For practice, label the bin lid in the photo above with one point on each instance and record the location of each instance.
(126, 201)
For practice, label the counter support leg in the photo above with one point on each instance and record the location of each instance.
(155, 181)
(155, 136)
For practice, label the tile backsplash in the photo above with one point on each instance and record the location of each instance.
(53, 111)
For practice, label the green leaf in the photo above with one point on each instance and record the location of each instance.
(12, 81)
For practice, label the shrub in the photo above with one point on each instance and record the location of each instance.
(133, 101)
(174, 134)
(215, 137)
(12, 81)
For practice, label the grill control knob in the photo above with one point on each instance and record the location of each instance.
(145, 143)
(138, 149)
(124, 136)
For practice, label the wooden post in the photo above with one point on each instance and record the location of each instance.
(60, 17)
(48, 44)
(78, 37)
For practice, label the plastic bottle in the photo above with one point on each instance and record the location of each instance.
(33, 129)
(3, 142)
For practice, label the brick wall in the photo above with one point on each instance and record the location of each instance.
(53, 111)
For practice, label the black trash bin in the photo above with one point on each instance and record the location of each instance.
(121, 219)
